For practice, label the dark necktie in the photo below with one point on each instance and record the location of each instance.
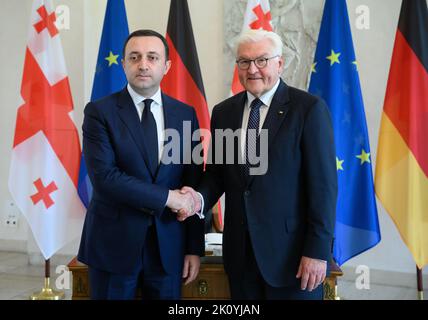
(150, 135)
(252, 135)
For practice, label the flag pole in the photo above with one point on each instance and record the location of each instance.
(47, 293)
(420, 283)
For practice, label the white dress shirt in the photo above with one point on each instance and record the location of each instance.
(157, 110)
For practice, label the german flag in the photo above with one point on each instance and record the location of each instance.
(402, 157)
(184, 81)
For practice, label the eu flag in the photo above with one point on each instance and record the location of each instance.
(109, 75)
(335, 78)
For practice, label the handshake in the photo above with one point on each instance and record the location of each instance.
(185, 202)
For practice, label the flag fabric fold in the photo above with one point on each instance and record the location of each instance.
(402, 157)
(109, 75)
(46, 149)
(184, 80)
(334, 77)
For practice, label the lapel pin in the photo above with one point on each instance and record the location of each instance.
(280, 112)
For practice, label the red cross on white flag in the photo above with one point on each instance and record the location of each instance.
(46, 149)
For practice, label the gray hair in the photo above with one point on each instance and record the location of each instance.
(252, 35)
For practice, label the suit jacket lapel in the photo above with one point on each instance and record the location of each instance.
(236, 115)
(129, 116)
(276, 115)
(277, 111)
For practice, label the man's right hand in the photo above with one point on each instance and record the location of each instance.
(183, 215)
(312, 273)
(181, 203)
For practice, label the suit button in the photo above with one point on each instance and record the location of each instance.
(247, 193)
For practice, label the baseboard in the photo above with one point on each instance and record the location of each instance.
(34, 258)
(383, 277)
(13, 245)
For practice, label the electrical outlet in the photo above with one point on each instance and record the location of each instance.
(11, 221)
(11, 216)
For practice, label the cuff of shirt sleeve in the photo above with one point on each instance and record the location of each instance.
(200, 212)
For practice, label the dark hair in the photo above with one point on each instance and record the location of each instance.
(147, 33)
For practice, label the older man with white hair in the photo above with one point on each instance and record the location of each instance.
(279, 222)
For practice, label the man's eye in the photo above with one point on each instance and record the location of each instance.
(260, 60)
(153, 58)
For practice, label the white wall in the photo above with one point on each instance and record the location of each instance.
(12, 55)
(373, 49)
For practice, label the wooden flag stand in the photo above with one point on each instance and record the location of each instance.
(47, 293)
(420, 283)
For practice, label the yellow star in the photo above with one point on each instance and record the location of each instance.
(333, 57)
(112, 58)
(313, 70)
(364, 157)
(356, 64)
(339, 164)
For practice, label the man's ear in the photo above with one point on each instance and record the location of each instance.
(167, 66)
(281, 65)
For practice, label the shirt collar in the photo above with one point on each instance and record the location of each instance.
(138, 98)
(266, 98)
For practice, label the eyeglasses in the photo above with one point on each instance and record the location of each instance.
(244, 64)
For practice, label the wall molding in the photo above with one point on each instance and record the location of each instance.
(384, 277)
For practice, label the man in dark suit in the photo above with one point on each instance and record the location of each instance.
(280, 212)
(131, 234)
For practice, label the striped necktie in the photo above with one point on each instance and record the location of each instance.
(251, 140)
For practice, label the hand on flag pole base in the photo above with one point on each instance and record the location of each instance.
(47, 293)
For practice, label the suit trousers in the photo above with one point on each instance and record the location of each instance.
(154, 282)
(250, 285)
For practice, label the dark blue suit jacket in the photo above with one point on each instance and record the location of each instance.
(126, 193)
(289, 211)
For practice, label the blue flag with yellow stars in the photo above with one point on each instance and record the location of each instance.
(334, 77)
(109, 74)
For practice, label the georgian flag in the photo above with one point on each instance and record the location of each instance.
(46, 149)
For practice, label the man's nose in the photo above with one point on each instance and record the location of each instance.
(253, 68)
(143, 64)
